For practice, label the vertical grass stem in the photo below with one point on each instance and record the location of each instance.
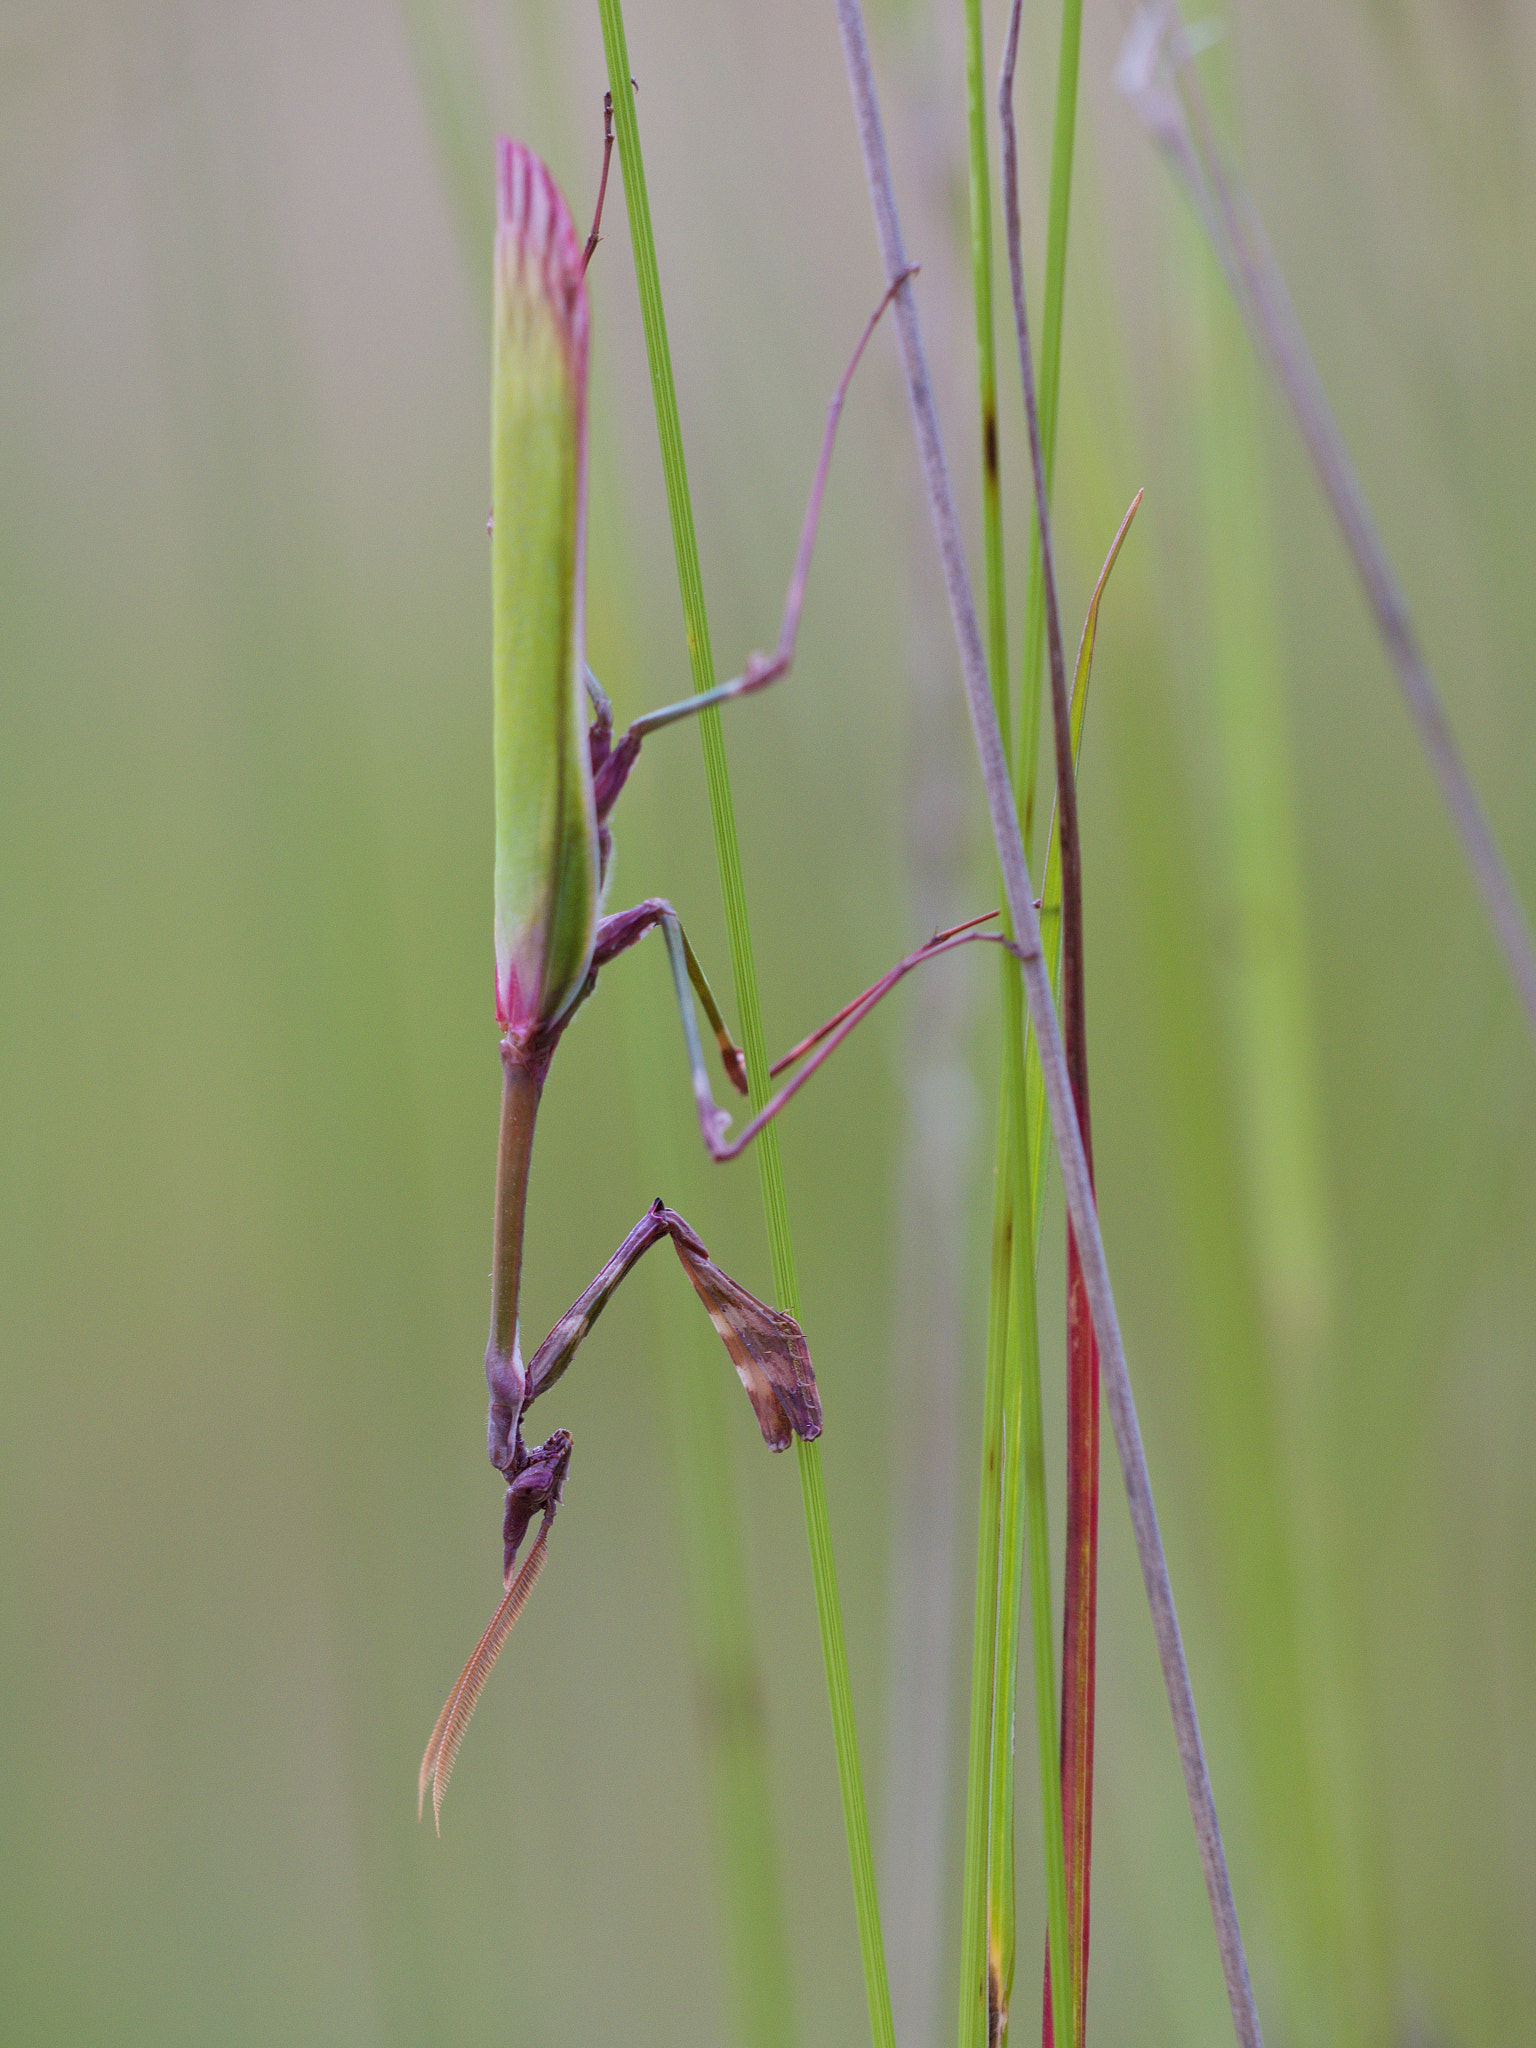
(1076, 1181)
(749, 1008)
(988, 1915)
(1059, 207)
(1257, 285)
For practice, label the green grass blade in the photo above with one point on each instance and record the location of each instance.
(987, 1916)
(1013, 1458)
(1018, 889)
(976, 1958)
(986, 362)
(749, 1008)
(1306, 1785)
(1049, 380)
(1019, 1402)
(701, 1411)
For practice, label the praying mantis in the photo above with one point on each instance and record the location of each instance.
(558, 773)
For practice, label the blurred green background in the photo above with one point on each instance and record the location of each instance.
(248, 1077)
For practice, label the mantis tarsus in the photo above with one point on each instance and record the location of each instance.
(558, 776)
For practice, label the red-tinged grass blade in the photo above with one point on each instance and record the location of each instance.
(1079, 1633)
(443, 1747)
(1050, 890)
(999, 1906)
(1080, 1590)
(1081, 1577)
(995, 1926)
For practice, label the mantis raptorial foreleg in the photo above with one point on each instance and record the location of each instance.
(766, 1346)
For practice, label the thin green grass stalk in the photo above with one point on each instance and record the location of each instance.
(1340, 1973)
(986, 363)
(987, 1914)
(1024, 1400)
(1296, 1664)
(1271, 1019)
(1063, 139)
(975, 1956)
(1267, 1019)
(749, 1008)
(725, 1659)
